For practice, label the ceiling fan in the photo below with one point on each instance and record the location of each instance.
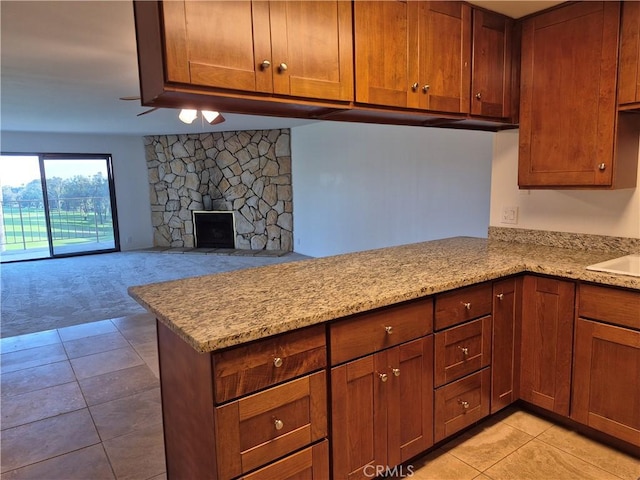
(186, 115)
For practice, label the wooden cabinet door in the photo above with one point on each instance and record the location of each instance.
(506, 298)
(218, 44)
(440, 58)
(546, 345)
(568, 96)
(359, 416)
(629, 62)
(606, 379)
(381, 57)
(491, 65)
(410, 400)
(311, 45)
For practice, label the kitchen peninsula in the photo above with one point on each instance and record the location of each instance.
(257, 366)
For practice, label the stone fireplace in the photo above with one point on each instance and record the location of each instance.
(246, 172)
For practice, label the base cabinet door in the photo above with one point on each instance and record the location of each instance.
(606, 379)
(382, 409)
(546, 346)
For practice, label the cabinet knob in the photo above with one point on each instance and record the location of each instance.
(464, 404)
(602, 166)
(415, 86)
(479, 96)
(467, 305)
(396, 371)
(465, 350)
(277, 362)
(426, 88)
(278, 424)
(500, 296)
(383, 376)
(388, 329)
(282, 67)
(265, 64)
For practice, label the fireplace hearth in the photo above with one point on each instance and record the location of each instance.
(214, 229)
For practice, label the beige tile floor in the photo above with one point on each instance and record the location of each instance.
(83, 403)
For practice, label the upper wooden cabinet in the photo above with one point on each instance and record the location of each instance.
(629, 64)
(413, 54)
(568, 110)
(491, 73)
(300, 49)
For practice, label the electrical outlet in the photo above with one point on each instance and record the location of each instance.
(509, 215)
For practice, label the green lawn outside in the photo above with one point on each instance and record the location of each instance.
(68, 227)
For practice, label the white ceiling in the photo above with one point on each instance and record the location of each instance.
(64, 64)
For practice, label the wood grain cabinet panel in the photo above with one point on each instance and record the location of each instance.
(461, 403)
(462, 305)
(248, 368)
(507, 308)
(300, 49)
(629, 61)
(491, 65)
(462, 350)
(382, 409)
(547, 339)
(570, 131)
(606, 379)
(612, 305)
(413, 54)
(260, 428)
(309, 464)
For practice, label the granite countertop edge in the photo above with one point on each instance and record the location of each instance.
(362, 281)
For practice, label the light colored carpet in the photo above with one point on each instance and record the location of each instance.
(54, 293)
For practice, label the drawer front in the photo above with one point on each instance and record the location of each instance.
(309, 464)
(257, 429)
(249, 368)
(462, 350)
(461, 403)
(612, 305)
(462, 305)
(373, 331)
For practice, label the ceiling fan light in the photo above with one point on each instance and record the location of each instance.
(188, 115)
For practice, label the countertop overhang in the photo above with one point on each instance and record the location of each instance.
(217, 311)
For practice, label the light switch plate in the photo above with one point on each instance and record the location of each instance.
(509, 215)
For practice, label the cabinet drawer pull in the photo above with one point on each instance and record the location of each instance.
(465, 350)
(278, 424)
(464, 404)
(467, 305)
(500, 296)
(602, 166)
(396, 371)
(415, 86)
(383, 377)
(265, 64)
(426, 88)
(282, 67)
(388, 329)
(479, 96)
(277, 362)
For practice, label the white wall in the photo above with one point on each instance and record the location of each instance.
(129, 171)
(361, 186)
(614, 212)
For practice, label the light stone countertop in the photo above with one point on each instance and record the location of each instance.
(217, 311)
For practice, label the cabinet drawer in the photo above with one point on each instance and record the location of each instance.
(310, 464)
(373, 331)
(462, 350)
(461, 403)
(249, 368)
(257, 429)
(462, 305)
(612, 305)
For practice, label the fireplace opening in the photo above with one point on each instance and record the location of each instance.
(214, 229)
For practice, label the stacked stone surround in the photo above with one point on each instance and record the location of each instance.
(247, 172)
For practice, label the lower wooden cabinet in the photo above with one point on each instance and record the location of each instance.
(461, 403)
(507, 307)
(309, 464)
(382, 409)
(606, 379)
(546, 346)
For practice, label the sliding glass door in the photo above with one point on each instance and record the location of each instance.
(56, 205)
